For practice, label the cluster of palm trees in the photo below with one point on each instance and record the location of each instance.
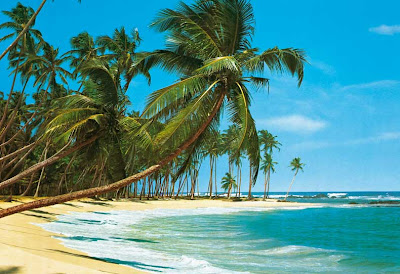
(84, 142)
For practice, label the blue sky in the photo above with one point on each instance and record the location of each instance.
(344, 120)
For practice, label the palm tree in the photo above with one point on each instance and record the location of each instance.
(211, 149)
(296, 165)
(228, 182)
(50, 68)
(209, 46)
(97, 115)
(20, 15)
(268, 143)
(267, 166)
(120, 50)
(83, 50)
(31, 17)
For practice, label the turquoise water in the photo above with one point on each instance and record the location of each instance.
(336, 237)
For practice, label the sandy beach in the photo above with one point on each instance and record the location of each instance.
(27, 248)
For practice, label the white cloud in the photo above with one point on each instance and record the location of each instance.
(386, 136)
(294, 123)
(386, 30)
(383, 137)
(383, 84)
(325, 68)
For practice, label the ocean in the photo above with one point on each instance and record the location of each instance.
(361, 237)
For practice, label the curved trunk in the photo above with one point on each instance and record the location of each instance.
(29, 186)
(290, 185)
(45, 163)
(112, 187)
(19, 131)
(24, 30)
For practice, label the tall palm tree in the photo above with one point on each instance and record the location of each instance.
(20, 16)
(211, 149)
(268, 143)
(296, 165)
(209, 46)
(31, 17)
(267, 166)
(228, 182)
(120, 50)
(50, 68)
(83, 50)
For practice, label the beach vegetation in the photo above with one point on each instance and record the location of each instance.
(228, 183)
(86, 142)
(295, 165)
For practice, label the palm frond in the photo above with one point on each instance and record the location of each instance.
(161, 98)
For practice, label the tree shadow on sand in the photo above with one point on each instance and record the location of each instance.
(10, 270)
(155, 268)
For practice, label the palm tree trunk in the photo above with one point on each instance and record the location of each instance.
(29, 186)
(181, 185)
(250, 185)
(215, 178)
(210, 185)
(14, 114)
(19, 131)
(3, 118)
(238, 186)
(22, 149)
(64, 176)
(268, 181)
(240, 180)
(45, 163)
(112, 187)
(290, 185)
(24, 30)
(42, 172)
(265, 186)
(20, 161)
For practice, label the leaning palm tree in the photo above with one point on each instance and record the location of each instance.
(267, 166)
(209, 45)
(296, 165)
(228, 182)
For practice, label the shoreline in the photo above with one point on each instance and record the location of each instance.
(28, 248)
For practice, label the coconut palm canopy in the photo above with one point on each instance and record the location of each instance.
(209, 45)
(297, 165)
